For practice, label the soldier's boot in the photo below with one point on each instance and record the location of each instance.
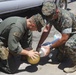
(73, 65)
(4, 66)
(70, 69)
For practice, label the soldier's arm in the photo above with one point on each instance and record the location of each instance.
(61, 41)
(14, 45)
(65, 32)
(13, 40)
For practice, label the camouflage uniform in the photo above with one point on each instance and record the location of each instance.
(15, 36)
(65, 23)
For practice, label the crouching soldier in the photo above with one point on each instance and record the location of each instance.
(64, 22)
(16, 37)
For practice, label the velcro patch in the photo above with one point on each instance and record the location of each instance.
(17, 34)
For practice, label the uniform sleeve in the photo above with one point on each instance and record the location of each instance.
(67, 25)
(13, 40)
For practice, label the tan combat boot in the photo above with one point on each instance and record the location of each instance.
(70, 69)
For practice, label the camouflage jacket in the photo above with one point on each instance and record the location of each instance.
(66, 22)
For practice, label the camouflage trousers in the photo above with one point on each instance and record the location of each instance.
(69, 48)
(4, 52)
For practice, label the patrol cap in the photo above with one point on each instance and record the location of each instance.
(48, 8)
(38, 20)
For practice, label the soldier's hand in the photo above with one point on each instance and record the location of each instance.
(33, 54)
(47, 50)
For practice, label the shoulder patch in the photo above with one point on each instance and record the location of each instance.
(17, 34)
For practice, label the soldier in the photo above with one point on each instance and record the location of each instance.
(16, 37)
(65, 23)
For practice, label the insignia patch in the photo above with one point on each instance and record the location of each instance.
(17, 34)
